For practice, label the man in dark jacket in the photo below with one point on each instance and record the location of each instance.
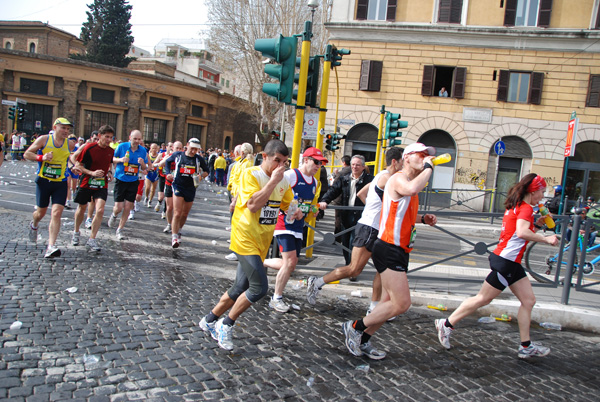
(348, 186)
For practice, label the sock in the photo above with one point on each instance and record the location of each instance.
(447, 324)
(359, 325)
(319, 282)
(211, 317)
(33, 227)
(373, 305)
(365, 338)
(277, 297)
(526, 344)
(228, 321)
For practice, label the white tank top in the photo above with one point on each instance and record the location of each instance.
(370, 215)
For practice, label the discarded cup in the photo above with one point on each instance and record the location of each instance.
(551, 325)
(298, 285)
(356, 293)
(296, 307)
(16, 325)
(90, 359)
(440, 307)
(363, 367)
(310, 382)
(487, 320)
(71, 290)
(214, 242)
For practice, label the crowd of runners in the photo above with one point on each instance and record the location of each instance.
(271, 200)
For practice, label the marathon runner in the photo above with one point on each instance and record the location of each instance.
(151, 175)
(51, 182)
(177, 147)
(95, 163)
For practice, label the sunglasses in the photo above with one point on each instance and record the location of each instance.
(315, 161)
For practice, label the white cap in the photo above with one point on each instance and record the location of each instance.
(418, 147)
(194, 143)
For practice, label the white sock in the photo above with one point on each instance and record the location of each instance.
(373, 305)
(277, 297)
(319, 283)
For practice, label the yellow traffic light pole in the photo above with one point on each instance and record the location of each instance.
(301, 100)
(379, 155)
(323, 103)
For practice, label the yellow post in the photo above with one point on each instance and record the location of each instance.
(323, 103)
(301, 100)
(378, 155)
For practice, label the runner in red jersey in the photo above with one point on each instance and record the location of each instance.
(518, 228)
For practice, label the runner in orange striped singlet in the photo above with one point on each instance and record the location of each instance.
(395, 241)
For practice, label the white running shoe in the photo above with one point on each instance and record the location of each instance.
(157, 206)
(136, 206)
(208, 326)
(353, 338)
(533, 350)
(279, 305)
(131, 216)
(92, 244)
(88, 223)
(148, 205)
(224, 335)
(120, 235)
(75, 239)
(167, 228)
(111, 221)
(163, 216)
(371, 352)
(312, 291)
(33, 233)
(444, 332)
(231, 257)
(52, 251)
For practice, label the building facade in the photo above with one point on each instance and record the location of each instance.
(466, 74)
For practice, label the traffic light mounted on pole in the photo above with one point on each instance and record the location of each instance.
(283, 51)
(312, 81)
(12, 112)
(21, 114)
(336, 56)
(393, 124)
(333, 141)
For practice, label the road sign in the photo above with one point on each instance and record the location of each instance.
(21, 101)
(571, 135)
(499, 148)
(38, 124)
(9, 103)
(346, 122)
(311, 123)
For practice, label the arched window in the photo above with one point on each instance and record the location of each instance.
(32, 47)
(8, 45)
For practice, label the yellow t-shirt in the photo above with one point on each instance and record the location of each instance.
(239, 167)
(232, 169)
(220, 163)
(1, 142)
(252, 232)
(54, 170)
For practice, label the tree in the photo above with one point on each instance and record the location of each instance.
(236, 24)
(107, 33)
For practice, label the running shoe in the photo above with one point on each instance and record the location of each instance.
(148, 205)
(224, 335)
(231, 257)
(279, 305)
(93, 246)
(163, 216)
(68, 204)
(157, 207)
(120, 235)
(175, 241)
(33, 233)
(111, 221)
(353, 338)
(75, 239)
(131, 215)
(136, 206)
(444, 332)
(371, 352)
(167, 228)
(146, 201)
(209, 326)
(533, 350)
(52, 251)
(88, 223)
(312, 291)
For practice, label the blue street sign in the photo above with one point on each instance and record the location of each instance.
(499, 147)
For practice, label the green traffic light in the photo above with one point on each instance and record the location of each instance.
(283, 51)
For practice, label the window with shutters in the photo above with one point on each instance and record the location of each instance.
(450, 11)
(444, 81)
(520, 87)
(593, 97)
(370, 75)
(376, 10)
(527, 13)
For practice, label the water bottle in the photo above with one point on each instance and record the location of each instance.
(443, 158)
(487, 320)
(289, 217)
(551, 325)
(547, 218)
(127, 156)
(196, 178)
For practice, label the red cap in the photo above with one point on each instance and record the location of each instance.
(314, 153)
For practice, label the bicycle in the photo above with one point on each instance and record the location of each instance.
(538, 266)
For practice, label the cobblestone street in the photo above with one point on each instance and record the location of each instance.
(130, 332)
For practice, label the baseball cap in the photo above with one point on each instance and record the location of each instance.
(418, 147)
(314, 153)
(194, 143)
(63, 121)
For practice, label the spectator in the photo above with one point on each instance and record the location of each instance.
(443, 93)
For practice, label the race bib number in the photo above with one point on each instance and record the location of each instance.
(268, 214)
(187, 170)
(413, 236)
(96, 182)
(131, 170)
(51, 171)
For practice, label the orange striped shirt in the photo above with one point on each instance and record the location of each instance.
(397, 221)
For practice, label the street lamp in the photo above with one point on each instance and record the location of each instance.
(313, 4)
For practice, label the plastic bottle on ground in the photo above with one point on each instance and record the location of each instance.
(487, 320)
(551, 325)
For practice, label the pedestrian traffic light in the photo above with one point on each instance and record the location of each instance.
(283, 51)
(21, 113)
(336, 56)
(11, 112)
(392, 124)
(312, 82)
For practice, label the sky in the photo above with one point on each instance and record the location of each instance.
(151, 20)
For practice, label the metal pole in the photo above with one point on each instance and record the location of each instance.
(378, 155)
(301, 101)
(564, 182)
(324, 95)
(571, 259)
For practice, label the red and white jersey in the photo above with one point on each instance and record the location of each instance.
(510, 246)
(398, 217)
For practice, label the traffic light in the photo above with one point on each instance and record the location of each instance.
(21, 113)
(275, 135)
(336, 56)
(283, 51)
(11, 112)
(392, 125)
(312, 84)
(333, 141)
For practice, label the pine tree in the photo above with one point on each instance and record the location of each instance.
(107, 33)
